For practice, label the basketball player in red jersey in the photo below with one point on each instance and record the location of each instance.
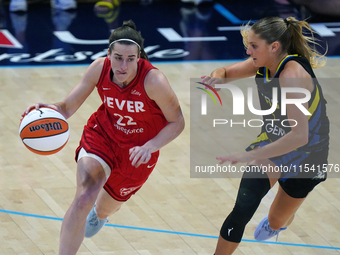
(120, 144)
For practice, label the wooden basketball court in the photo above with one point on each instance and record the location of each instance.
(172, 213)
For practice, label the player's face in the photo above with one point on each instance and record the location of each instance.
(124, 60)
(258, 49)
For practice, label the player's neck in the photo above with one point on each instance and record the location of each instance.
(123, 84)
(275, 65)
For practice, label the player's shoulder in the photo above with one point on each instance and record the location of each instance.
(99, 62)
(96, 67)
(156, 84)
(94, 71)
(294, 69)
(155, 78)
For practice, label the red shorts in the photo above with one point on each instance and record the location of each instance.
(125, 179)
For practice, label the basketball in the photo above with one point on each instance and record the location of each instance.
(44, 131)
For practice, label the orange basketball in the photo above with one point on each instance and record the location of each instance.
(44, 131)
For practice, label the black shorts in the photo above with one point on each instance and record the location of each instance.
(302, 170)
(299, 188)
(310, 174)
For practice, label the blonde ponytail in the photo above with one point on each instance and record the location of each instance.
(289, 33)
(304, 45)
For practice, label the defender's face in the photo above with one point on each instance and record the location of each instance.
(258, 49)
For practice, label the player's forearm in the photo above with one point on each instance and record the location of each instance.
(166, 135)
(71, 103)
(285, 144)
(219, 73)
(65, 110)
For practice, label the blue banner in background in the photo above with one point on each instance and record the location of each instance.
(173, 31)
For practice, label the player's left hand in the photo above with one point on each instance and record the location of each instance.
(139, 155)
(244, 157)
(212, 81)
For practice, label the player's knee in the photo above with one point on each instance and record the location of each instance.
(249, 196)
(90, 173)
(87, 190)
(88, 180)
(91, 179)
(244, 209)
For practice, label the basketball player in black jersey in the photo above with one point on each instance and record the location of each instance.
(281, 58)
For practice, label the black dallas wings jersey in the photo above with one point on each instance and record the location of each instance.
(273, 127)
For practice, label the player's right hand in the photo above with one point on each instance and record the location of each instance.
(37, 106)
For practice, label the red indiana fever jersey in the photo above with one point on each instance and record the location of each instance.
(127, 116)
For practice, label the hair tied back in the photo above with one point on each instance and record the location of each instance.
(286, 21)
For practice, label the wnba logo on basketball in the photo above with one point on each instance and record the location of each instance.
(46, 126)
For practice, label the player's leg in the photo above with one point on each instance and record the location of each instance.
(283, 209)
(122, 183)
(281, 215)
(117, 190)
(90, 180)
(253, 187)
(105, 206)
(291, 194)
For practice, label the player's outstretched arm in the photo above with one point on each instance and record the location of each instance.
(79, 93)
(235, 71)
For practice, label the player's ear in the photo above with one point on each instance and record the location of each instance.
(139, 54)
(274, 47)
